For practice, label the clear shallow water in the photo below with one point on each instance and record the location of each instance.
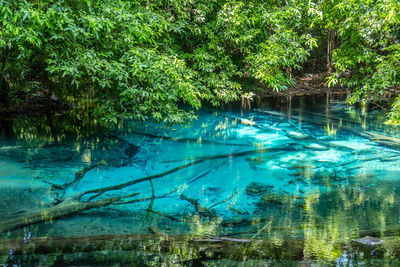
(309, 169)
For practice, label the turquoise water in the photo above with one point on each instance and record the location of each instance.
(309, 169)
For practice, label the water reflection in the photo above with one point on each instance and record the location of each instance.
(308, 179)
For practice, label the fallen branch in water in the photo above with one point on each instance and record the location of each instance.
(205, 172)
(202, 211)
(99, 191)
(153, 196)
(81, 173)
(164, 215)
(223, 201)
(57, 212)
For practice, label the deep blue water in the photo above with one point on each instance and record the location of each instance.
(310, 168)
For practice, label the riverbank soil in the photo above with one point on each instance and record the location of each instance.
(308, 84)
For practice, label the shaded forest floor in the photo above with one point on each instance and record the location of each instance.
(33, 106)
(308, 84)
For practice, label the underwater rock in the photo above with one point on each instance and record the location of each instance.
(247, 122)
(255, 161)
(272, 198)
(296, 135)
(213, 191)
(370, 241)
(281, 199)
(131, 150)
(255, 189)
(155, 230)
(316, 147)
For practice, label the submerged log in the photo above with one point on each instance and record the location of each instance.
(99, 191)
(56, 212)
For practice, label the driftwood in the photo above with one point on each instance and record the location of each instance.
(165, 215)
(153, 197)
(57, 212)
(224, 201)
(79, 174)
(202, 211)
(205, 172)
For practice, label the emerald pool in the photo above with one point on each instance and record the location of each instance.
(288, 181)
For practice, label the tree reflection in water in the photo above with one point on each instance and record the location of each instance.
(272, 184)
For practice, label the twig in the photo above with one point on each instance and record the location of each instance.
(152, 199)
(262, 229)
(231, 196)
(202, 211)
(164, 215)
(201, 175)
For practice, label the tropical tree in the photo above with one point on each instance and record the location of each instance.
(143, 59)
(367, 51)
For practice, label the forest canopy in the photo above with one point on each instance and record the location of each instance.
(147, 59)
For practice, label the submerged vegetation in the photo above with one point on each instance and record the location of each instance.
(143, 59)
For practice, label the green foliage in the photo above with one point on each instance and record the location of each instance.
(367, 57)
(108, 51)
(147, 59)
(143, 59)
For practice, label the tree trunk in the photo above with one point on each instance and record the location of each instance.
(4, 86)
(331, 45)
(54, 213)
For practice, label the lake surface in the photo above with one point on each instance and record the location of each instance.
(307, 172)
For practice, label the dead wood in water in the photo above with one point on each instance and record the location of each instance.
(224, 201)
(202, 211)
(56, 212)
(76, 206)
(99, 191)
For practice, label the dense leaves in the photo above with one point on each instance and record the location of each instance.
(147, 59)
(367, 55)
(106, 51)
(143, 59)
